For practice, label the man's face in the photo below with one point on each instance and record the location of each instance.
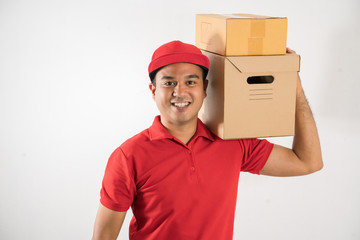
(179, 93)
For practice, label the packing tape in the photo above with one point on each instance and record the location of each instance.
(255, 46)
(257, 35)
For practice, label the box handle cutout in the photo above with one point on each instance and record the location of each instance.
(260, 80)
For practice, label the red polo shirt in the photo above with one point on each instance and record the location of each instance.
(179, 191)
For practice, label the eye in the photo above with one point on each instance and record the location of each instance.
(169, 84)
(191, 82)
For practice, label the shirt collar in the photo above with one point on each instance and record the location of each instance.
(158, 131)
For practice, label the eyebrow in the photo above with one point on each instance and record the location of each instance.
(172, 78)
(167, 78)
(193, 76)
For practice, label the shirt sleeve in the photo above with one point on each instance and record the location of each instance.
(118, 187)
(256, 153)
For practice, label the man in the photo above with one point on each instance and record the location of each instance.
(180, 179)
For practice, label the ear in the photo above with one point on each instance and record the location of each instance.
(152, 89)
(206, 82)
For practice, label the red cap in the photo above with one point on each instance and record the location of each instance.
(176, 52)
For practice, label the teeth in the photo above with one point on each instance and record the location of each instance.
(181, 104)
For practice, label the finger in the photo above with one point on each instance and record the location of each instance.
(288, 50)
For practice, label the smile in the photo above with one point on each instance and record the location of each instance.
(181, 104)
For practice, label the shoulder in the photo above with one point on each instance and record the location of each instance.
(128, 149)
(204, 131)
(136, 141)
(243, 144)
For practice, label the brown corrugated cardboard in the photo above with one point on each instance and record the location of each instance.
(241, 34)
(251, 96)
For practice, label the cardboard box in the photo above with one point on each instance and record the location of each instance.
(251, 96)
(241, 34)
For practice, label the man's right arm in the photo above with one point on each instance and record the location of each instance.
(107, 224)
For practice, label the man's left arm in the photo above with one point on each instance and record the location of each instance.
(305, 155)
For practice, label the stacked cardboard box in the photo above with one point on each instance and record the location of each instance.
(252, 80)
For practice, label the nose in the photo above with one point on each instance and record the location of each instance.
(179, 90)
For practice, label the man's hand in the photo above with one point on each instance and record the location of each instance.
(288, 50)
(305, 155)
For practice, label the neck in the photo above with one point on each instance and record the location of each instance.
(184, 132)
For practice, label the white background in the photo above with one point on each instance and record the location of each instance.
(74, 86)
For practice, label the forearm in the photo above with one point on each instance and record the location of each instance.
(306, 144)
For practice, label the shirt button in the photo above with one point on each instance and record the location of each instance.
(192, 169)
(189, 151)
